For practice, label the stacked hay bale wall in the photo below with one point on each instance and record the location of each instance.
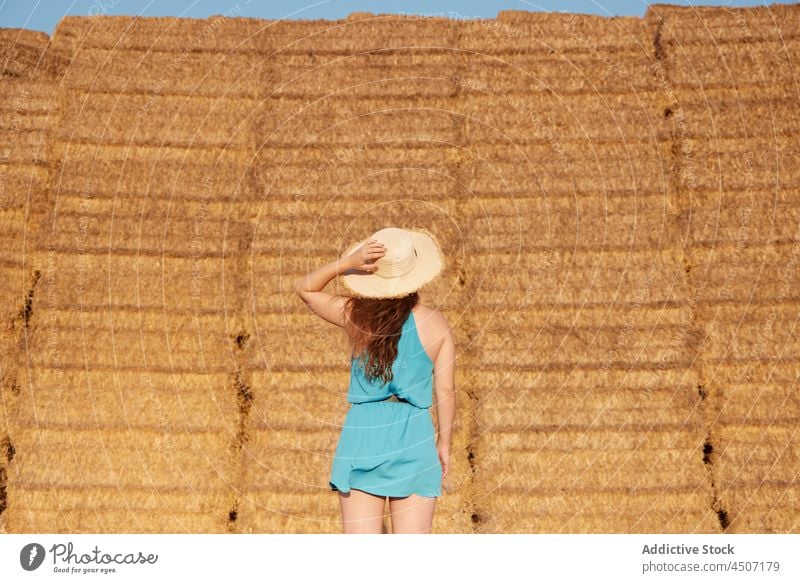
(732, 126)
(582, 379)
(27, 80)
(622, 367)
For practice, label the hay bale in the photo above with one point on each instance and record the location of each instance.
(225, 33)
(592, 512)
(752, 462)
(179, 72)
(704, 24)
(761, 508)
(140, 119)
(180, 173)
(362, 124)
(616, 196)
(101, 509)
(104, 476)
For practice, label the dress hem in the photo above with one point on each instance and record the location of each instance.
(334, 488)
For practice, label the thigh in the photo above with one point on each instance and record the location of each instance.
(412, 514)
(362, 512)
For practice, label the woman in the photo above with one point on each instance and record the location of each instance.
(401, 350)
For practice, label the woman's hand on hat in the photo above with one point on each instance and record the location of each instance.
(365, 256)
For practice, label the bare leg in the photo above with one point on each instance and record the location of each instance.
(412, 514)
(362, 512)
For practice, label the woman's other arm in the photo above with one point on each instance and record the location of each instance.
(444, 372)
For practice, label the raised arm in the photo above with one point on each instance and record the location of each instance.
(325, 305)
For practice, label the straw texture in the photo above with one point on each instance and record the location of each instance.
(615, 198)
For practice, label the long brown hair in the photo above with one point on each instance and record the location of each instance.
(374, 326)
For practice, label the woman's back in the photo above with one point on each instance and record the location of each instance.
(388, 447)
(412, 378)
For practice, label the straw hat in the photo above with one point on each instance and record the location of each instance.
(412, 259)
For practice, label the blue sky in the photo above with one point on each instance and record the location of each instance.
(44, 14)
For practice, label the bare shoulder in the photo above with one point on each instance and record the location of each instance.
(432, 317)
(433, 328)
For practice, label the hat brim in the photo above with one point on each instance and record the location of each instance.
(430, 262)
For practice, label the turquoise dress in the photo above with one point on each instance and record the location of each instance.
(388, 448)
